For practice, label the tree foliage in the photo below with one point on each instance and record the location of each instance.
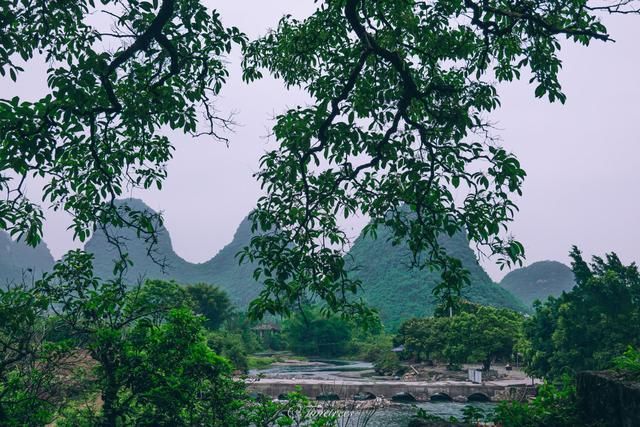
(112, 87)
(309, 332)
(589, 326)
(212, 302)
(397, 131)
(30, 392)
(477, 334)
(553, 406)
(153, 365)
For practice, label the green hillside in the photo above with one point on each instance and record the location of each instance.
(225, 271)
(20, 262)
(389, 284)
(401, 292)
(222, 270)
(538, 281)
(143, 266)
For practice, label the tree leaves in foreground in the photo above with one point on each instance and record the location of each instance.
(398, 131)
(118, 73)
(152, 363)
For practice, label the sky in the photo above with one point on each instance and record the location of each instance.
(581, 158)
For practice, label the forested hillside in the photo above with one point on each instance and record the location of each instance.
(167, 264)
(401, 292)
(222, 270)
(20, 262)
(538, 281)
(398, 291)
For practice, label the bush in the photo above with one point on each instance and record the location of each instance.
(553, 406)
(230, 346)
(388, 364)
(629, 363)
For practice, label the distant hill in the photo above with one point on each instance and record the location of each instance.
(20, 262)
(225, 271)
(400, 292)
(538, 281)
(222, 270)
(143, 266)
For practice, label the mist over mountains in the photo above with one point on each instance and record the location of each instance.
(20, 262)
(388, 283)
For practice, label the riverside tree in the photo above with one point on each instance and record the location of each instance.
(477, 334)
(586, 328)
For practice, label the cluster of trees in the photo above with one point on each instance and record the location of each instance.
(586, 328)
(583, 329)
(82, 351)
(476, 334)
(308, 332)
(594, 326)
(315, 332)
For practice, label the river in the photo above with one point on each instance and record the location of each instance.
(395, 415)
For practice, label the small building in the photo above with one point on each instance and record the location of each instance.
(266, 329)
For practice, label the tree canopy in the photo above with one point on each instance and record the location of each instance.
(112, 86)
(589, 326)
(476, 334)
(398, 131)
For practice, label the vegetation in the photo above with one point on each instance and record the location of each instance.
(539, 281)
(628, 363)
(478, 334)
(388, 364)
(553, 406)
(212, 302)
(585, 329)
(400, 291)
(29, 390)
(310, 333)
(398, 120)
(400, 96)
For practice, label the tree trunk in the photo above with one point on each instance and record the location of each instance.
(109, 410)
(486, 365)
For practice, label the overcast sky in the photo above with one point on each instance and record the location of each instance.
(581, 158)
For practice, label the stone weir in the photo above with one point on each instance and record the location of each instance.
(416, 390)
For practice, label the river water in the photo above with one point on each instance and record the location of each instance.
(395, 415)
(400, 416)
